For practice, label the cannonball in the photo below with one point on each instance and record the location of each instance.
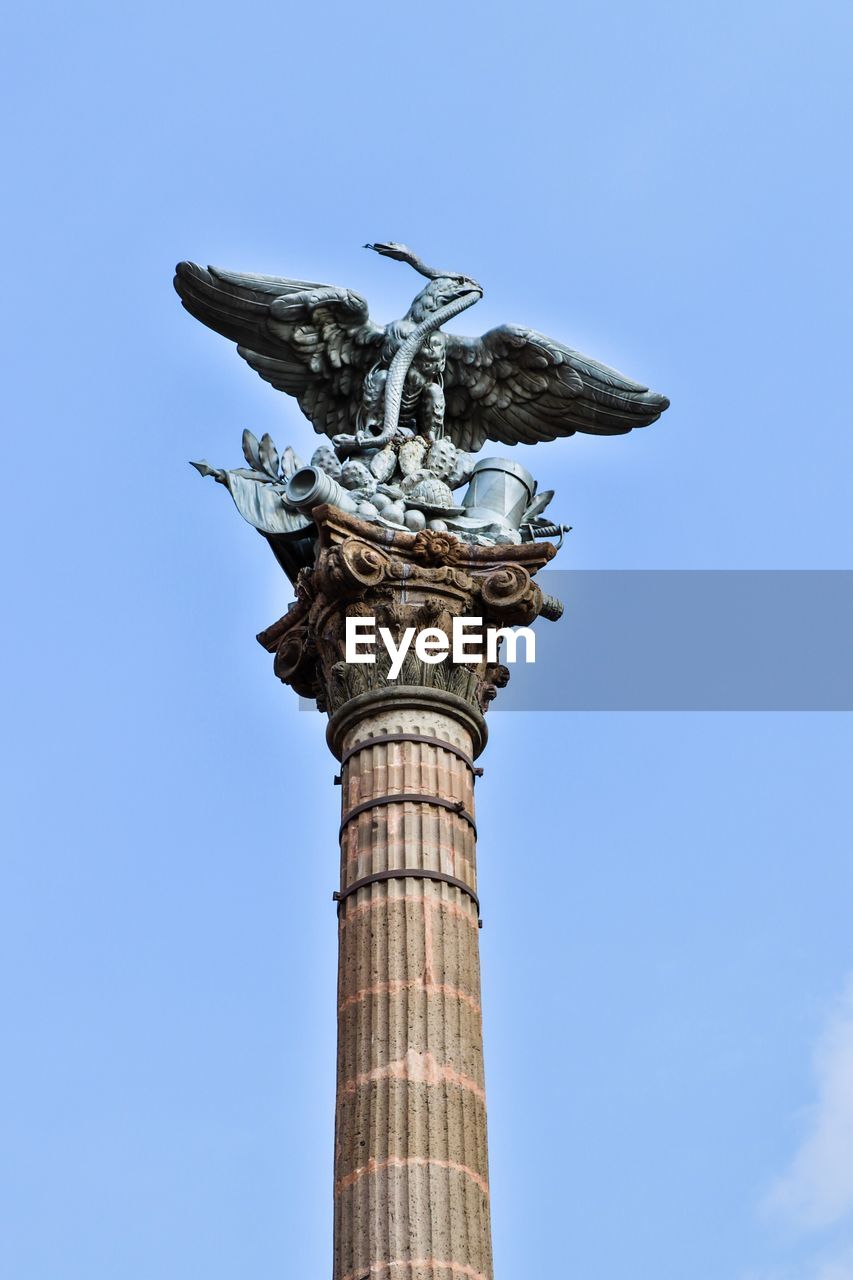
(440, 526)
(415, 520)
(367, 510)
(394, 513)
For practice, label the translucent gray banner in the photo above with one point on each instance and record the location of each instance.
(693, 640)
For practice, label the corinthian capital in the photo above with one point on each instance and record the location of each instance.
(403, 580)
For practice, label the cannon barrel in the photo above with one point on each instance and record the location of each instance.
(311, 487)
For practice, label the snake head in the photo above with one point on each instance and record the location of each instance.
(402, 253)
(391, 249)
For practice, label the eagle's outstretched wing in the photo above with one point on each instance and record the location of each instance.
(314, 341)
(519, 387)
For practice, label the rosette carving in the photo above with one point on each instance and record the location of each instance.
(431, 546)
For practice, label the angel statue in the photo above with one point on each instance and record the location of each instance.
(406, 405)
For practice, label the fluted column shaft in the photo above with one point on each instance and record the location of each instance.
(411, 1168)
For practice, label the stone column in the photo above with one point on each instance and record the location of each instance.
(411, 1167)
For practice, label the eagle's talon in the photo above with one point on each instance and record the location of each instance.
(345, 445)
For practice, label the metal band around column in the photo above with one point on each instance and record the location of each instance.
(408, 797)
(413, 737)
(405, 873)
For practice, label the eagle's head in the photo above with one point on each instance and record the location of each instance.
(444, 287)
(440, 293)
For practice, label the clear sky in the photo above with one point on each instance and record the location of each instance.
(667, 956)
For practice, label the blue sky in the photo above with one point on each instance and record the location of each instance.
(667, 954)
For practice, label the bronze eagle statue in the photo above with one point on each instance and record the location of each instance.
(359, 382)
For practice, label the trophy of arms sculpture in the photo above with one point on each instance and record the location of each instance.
(405, 405)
